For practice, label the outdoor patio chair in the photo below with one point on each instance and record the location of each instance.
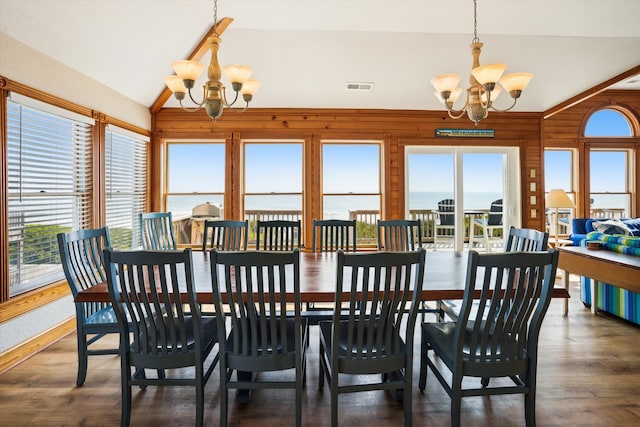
(156, 231)
(491, 222)
(376, 339)
(156, 332)
(498, 337)
(444, 226)
(264, 332)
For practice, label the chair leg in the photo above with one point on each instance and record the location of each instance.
(199, 399)
(530, 398)
(321, 367)
(456, 399)
(83, 357)
(125, 417)
(299, 381)
(408, 409)
(334, 403)
(422, 383)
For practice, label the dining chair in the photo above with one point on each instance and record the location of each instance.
(156, 332)
(518, 240)
(226, 235)
(374, 345)
(329, 235)
(264, 331)
(497, 337)
(398, 235)
(490, 222)
(156, 231)
(526, 240)
(278, 235)
(444, 226)
(82, 263)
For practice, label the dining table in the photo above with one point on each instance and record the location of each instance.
(444, 279)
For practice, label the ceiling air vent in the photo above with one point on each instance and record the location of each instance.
(360, 86)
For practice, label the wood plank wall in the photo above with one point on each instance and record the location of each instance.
(529, 131)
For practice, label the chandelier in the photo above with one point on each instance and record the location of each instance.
(483, 89)
(214, 98)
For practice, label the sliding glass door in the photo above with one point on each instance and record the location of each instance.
(466, 196)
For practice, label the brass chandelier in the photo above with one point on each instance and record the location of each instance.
(214, 98)
(483, 89)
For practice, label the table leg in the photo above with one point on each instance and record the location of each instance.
(565, 278)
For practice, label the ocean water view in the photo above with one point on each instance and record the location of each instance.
(335, 207)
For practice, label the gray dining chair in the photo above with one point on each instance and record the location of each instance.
(526, 240)
(81, 258)
(444, 226)
(330, 235)
(156, 231)
(398, 235)
(225, 235)
(156, 332)
(496, 338)
(374, 345)
(278, 235)
(264, 332)
(490, 223)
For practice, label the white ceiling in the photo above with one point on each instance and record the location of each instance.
(305, 51)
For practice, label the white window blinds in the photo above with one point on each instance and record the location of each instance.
(50, 190)
(126, 185)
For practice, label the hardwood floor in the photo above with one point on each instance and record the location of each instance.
(588, 374)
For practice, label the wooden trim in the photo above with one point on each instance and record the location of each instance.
(128, 126)
(4, 202)
(28, 301)
(590, 92)
(16, 355)
(196, 55)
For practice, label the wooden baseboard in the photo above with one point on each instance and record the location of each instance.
(11, 358)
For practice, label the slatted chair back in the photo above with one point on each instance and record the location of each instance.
(496, 333)
(446, 208)
(157, 329)
(399, 235)
(330, 235)
(225, 235)
(82, 263)
(156, 231)
(264, 330)
(278, 235)
(526, 240)
(373, 335)
(495, 213)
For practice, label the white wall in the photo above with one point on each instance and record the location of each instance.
(25, 65)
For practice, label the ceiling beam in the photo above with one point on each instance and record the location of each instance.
(591, 92)
(195, 55)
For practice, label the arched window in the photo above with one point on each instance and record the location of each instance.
(608, 123)
(609, 168)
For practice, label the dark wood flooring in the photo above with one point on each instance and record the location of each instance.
(588, 375)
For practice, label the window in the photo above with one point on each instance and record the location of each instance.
(609, 183)
(195, 179)
(125, 185)
(558, 174)
(351, 185)
(608, 122)
(50, 187)
(273, 181)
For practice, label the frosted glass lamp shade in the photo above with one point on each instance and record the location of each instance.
(237, 73)
(489, 73)
(515, 81)
(175, 84)
(188, 70)
(445, 82)
(250, 87)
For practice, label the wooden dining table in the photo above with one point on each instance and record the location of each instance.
(444, 278)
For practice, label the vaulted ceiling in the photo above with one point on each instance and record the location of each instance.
(305, 51)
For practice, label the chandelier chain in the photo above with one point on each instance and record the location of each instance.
(215, 17)
(475, 23)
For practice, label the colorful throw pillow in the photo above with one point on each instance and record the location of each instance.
(612, 226)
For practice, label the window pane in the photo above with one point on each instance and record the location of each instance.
(482, 179)
(608, 122)
(126, 188)
(431, 179)
(273, 168)
(558, 170)
(50, 184)
(608, 171)
(195, 168)
(351, 168)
